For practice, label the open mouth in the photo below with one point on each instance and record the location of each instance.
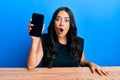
(61, 30)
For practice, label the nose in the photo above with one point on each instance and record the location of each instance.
(62, 22)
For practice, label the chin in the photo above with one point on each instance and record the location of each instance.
(61, 35)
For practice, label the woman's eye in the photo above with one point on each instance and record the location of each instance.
(67, 20)
(57, 19)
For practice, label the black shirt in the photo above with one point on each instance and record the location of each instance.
(63, 58)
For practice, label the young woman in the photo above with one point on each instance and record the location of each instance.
(60, 47)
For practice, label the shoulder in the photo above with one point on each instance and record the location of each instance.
(44, 36)
(81, 43)
(80, 39)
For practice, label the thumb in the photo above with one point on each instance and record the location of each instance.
(93, 70)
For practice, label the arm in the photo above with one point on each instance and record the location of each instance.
(36, 51)
(35, 54)
(83, 61)
(94, 67)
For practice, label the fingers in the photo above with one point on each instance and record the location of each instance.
(102, 72)
(96, 70)
(30, 26)
(30, 21)
(105, 72)
(93, 70)
(99, 70)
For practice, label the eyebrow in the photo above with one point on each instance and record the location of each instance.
(64, 17)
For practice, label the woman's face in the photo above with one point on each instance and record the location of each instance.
(62, 24)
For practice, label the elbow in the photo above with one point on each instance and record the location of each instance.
(30, 67)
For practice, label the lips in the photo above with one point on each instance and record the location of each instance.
(60, 30)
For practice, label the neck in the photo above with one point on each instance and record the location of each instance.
(62, 40)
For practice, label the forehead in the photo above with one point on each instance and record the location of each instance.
(63, 14)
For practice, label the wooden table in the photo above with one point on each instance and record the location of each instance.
(72, 73)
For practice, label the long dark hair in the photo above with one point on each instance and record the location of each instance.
(72, 39)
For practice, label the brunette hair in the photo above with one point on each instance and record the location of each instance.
(72, 39)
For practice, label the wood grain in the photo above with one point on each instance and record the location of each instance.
(71, 73)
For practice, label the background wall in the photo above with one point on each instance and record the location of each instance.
(98, 22)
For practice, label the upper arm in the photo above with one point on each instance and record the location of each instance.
(82, 58)
(83, 61)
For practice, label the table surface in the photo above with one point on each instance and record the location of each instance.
(68, 73)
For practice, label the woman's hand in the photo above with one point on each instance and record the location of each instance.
(30, 28)
(95, 68)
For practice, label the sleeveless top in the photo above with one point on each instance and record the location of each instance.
(63, 58)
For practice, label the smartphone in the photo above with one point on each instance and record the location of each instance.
(37, 19)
